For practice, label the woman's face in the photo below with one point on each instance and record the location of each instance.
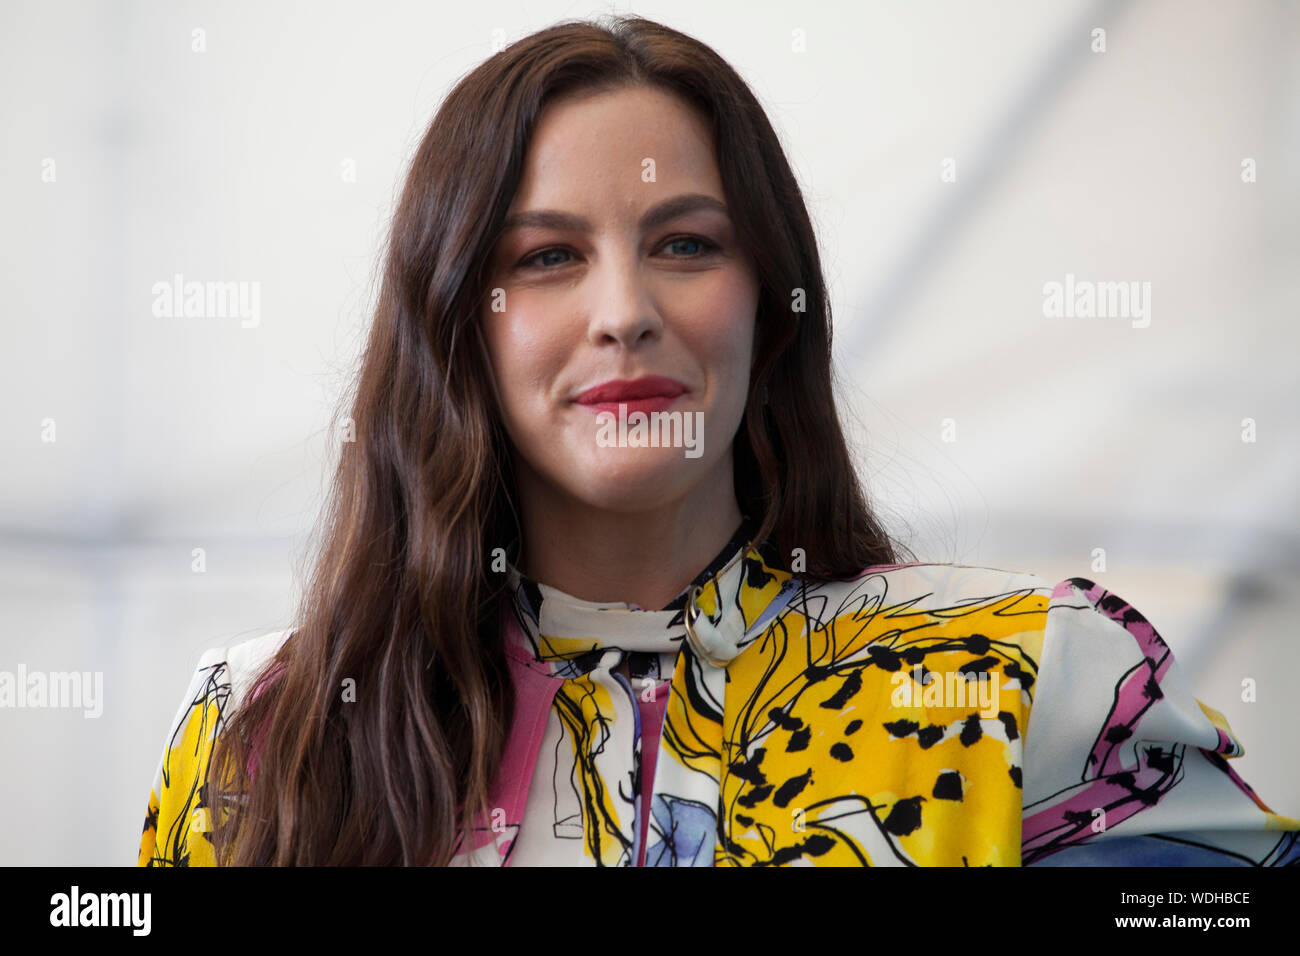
(621, 263)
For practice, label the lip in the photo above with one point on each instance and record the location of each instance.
(632, 391)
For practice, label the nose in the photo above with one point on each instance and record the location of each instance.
(622, 310)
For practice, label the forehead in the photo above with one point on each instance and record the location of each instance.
(617, 149)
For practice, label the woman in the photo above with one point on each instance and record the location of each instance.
(600, 585)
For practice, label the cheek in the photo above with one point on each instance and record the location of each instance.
(527, 353)
(722, 329)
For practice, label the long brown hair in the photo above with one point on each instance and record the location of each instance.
(402, 600)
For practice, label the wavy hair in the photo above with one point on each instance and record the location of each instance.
(401, 599)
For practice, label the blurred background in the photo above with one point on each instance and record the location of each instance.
(956, 157)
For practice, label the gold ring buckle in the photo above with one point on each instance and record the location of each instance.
(693, 613)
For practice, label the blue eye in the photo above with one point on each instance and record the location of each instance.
(704, 244)
(535, 259)
(539, 255)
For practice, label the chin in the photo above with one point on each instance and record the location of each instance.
(637, 478)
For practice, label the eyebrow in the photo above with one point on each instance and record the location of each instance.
(657, 215)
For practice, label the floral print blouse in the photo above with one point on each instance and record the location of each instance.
(912, 715)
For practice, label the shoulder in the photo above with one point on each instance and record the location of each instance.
(947, 617)
(1078, 630)
(1076, 615)
(179, 817)
(934, 586)
(217, 686)
(242, 663)
(1014, 614)
(231, 669)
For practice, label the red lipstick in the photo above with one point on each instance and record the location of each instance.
(650, 393)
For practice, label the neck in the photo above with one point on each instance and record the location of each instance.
(644, 557)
